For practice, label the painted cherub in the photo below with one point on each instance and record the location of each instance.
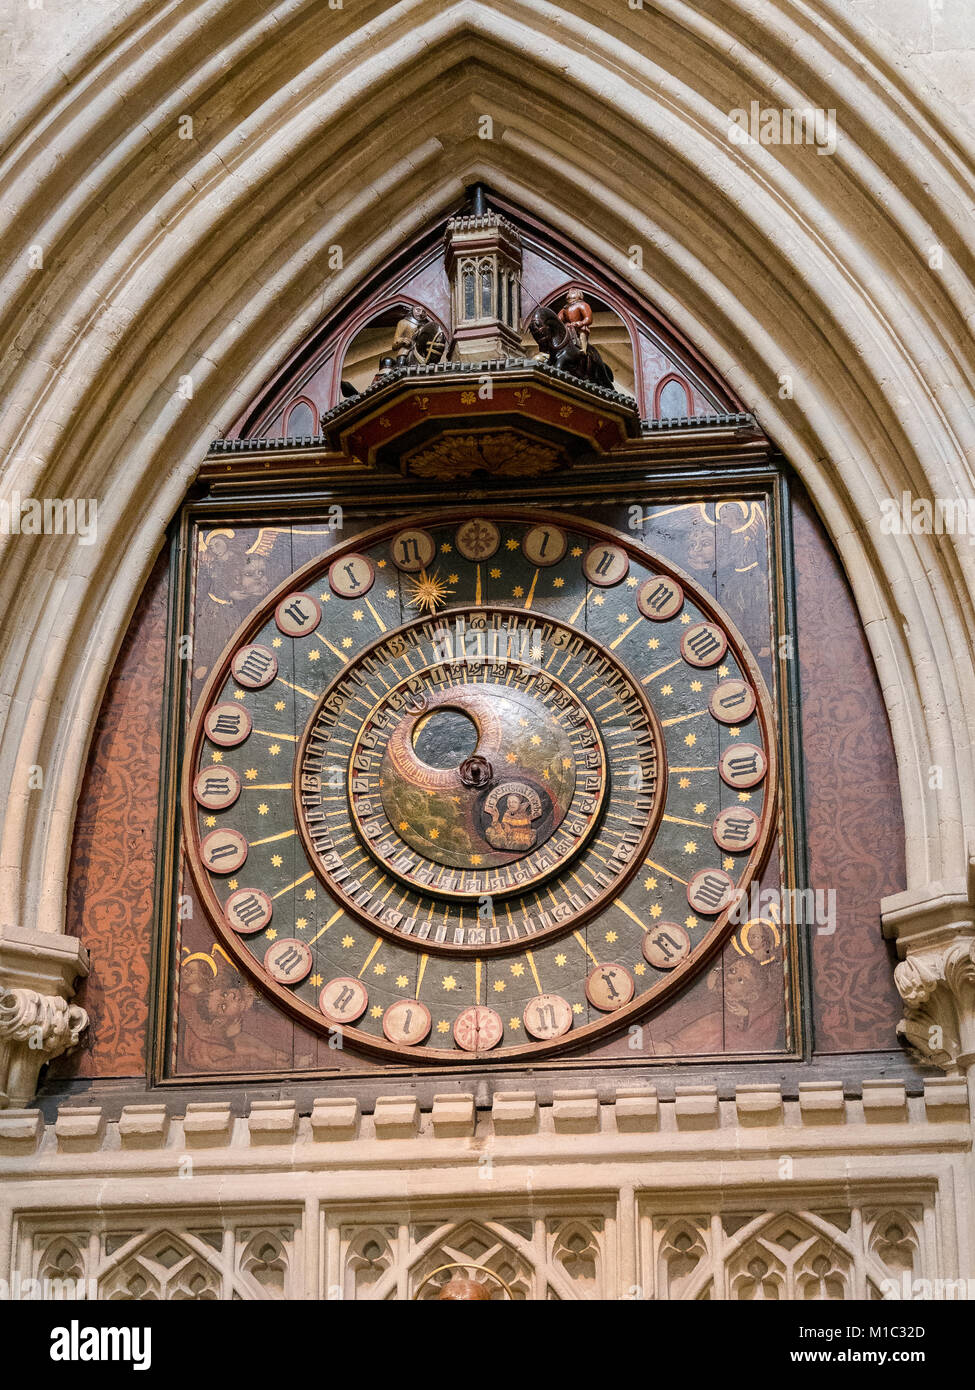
(214, 1007)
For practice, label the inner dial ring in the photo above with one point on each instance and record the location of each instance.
(454, 782)
(493, 836)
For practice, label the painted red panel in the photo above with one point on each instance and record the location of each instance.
(110, 883)
(854, 822)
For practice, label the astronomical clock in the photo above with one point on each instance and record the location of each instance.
(484, 741)
(483, 735)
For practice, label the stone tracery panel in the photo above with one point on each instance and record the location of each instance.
(711, 1251)
(794, 1253)
(173, 1258)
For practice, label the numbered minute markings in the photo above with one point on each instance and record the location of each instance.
(435, 833)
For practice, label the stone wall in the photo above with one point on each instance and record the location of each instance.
(829, 1196)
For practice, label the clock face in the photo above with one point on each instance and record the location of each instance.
(479, 787)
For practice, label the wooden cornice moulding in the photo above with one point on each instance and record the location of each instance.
(697, 441)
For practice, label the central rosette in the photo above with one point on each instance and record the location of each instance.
(487, 782)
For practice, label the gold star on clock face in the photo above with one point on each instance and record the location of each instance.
(578, 835)
(427, 592)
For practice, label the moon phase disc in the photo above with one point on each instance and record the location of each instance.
(471, 778)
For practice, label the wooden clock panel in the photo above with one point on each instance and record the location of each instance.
(483, 785)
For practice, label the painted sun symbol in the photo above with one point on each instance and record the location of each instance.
(427, 591)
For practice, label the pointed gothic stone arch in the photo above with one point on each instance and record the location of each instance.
(153, 275)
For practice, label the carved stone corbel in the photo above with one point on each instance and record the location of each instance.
(938, 989)
(38, 971)
(934, 927)
(34, 1028)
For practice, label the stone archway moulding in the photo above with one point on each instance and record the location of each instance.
(132, 258)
